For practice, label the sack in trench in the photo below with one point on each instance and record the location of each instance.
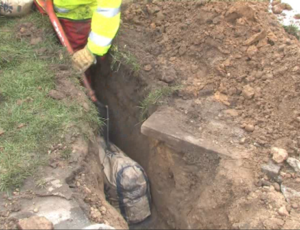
(126, 185)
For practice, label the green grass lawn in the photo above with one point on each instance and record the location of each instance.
(30, 121)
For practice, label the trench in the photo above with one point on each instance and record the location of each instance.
(176, 185)
(122, 93)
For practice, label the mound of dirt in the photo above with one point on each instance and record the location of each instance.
(236, 52)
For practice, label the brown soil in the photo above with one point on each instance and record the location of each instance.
(236, 52)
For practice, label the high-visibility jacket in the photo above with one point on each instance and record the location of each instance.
(105, 15)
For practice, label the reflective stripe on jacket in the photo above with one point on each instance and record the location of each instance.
(105, 15)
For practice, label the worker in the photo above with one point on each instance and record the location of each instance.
(90, 26)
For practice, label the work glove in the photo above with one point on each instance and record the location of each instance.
(83, 59)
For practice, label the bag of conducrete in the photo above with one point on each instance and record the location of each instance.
(126, 185)
(13, 8)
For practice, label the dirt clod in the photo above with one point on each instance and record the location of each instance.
(35, 222)
(277, 187)
(56, 95)
(279, 155)
(147, 68)
(169, 74)
(295, 206)
(255, 38)
(232, 112)
(35, 41)
(251, 51)
(96, 215)
(277, 9)
(103, 210)
(248, 92)
(283, 211)
(276, 2)
(273, 223)
(249, 128)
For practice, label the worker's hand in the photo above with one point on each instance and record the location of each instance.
(83, 59)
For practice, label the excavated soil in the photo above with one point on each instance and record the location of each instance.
(236, 52)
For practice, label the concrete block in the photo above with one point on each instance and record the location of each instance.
(167, 125)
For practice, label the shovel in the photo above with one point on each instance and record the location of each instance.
(103, 110)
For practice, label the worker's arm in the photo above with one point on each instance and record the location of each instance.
(105, 24)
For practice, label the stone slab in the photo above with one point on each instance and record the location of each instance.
(167, 125)
(63, 213)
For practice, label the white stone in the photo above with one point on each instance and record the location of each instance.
(279, 155)
(294, 163)
(282, 211)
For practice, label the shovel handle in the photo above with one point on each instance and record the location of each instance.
(65, 42)
(57, 26)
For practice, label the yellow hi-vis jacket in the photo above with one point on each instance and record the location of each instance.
(105, 15)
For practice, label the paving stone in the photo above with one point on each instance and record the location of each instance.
(165, 125)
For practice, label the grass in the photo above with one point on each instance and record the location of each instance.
(154, 97)
(32, 121)
(41, 184)
(293, 30)
(123, 58)
(66, 153)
